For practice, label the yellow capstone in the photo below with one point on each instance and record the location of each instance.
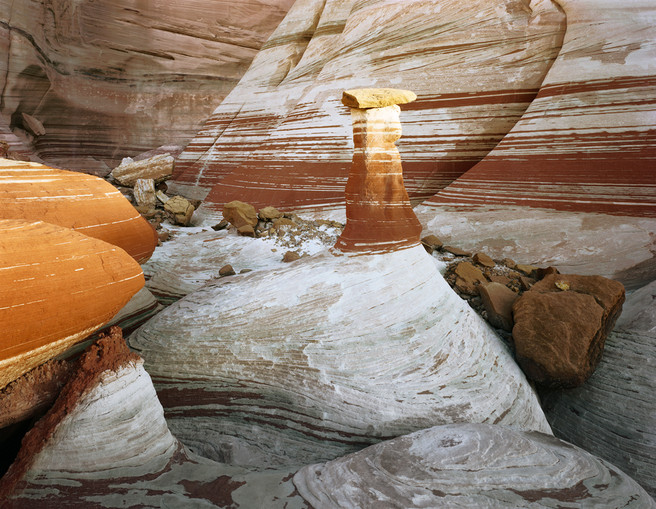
(364, 98)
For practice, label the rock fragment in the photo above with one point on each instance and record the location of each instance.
(484, 260)
(456, 251)
(239, 214)
(269, 213)
(470, 273)
(180, 209)
(33, 125)
(158, 168)
(291, 256)
(431, 243)
(144, 193)
(498, 302)
(226, 270)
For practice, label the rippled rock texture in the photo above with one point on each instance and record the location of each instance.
(114, 78)
(105, 442)
(57, 286)
(470, 465)
(325, 356)
(612, 414)
(282, 138)
(70, 199)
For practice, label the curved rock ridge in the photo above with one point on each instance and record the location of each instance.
(378, 211)
(470, 465)
(57, 286)
(70, 199)
(282, 138)
(588, 140)
(105, 443)
(326, 356)
(612, 414)
(130, 71)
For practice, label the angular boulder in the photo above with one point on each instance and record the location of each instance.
(561, 325)
(498, 301)
(58, 286)
(240, 214)
(158, 168)
(144, 193)
(180, 209)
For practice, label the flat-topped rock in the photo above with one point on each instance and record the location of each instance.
(364, 98)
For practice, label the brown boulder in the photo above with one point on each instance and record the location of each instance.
(226, 270)
(290, 256)
(560, 334)
(269, 213)
(240, 214)
(529, 270)
(431, 243)
(246, 231)
(456, 251)
(469, 273)
(498, 301)
(484, 260)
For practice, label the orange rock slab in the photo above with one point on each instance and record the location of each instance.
(56, 287)
(378, 210)
(74, 200)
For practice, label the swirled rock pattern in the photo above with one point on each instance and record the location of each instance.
(470, 465)
(612, 414)
(56, 287)
(110, 78)
(325, 356)
(587, 141)
(281, 137)
(105, 442)
(70, 199)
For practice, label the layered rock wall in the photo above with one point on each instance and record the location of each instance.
(114, 78)
(282, 138)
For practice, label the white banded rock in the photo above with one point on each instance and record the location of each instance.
(612, 414)
(325, 356)
(105, 442)
(466, 466)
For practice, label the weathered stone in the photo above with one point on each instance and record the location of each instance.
(180, 209)
(378, 210)
(246, 231)
(542, 272)
(283, 223)
(59, 286)
(465, 287)
(498, 301)
(456, 251)
(33, 125)
(484, 260)
(499, 278)
(269, 213)
(526, 282)
(431, 243)
(376, 97)
(291, 256)
(144, 192)
(161, 196)
(158, 168)
(226, 270)
(509, 262)
(163, 236)
(528, 270)
(239, 214)
(470, 466)
(469, 273)
(559, 335)
(221, 226)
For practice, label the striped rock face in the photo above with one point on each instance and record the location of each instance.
(282, 137)
(108, 78)
(588, 140)
(74, 200)
(470, 465)
(612, 414)
(57, 286)
(325, 356)
(378, 211)
(105, 442)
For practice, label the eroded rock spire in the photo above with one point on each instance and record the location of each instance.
(378, 211)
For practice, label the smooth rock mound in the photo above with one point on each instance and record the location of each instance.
(58, 286)
(74, 200)
(470, 465)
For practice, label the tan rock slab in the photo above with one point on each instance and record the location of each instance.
(159, 168)
(431, 243)
(456, 251)
(469, 273)
(484, 260)
(291, 256)
(246, 231)
(181, 210)
(364, 98)
(526, 269)
(269, 213)
(240, 214)
(498, 301)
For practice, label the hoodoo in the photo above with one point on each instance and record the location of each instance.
(339, 350)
